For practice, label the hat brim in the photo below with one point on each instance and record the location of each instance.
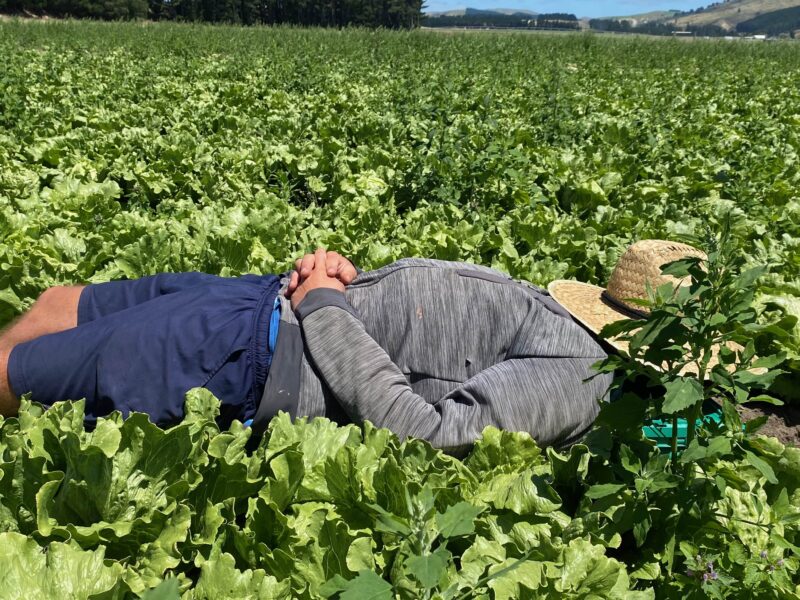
(588, 305)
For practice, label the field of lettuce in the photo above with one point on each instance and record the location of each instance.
(128, 149)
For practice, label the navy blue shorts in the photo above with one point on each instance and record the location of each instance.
(140, 345)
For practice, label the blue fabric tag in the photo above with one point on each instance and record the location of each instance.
(274, 323)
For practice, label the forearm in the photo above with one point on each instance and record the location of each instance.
(360, 374)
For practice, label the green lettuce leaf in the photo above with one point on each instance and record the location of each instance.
(28, 571)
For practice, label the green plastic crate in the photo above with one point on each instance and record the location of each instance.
(661, 431)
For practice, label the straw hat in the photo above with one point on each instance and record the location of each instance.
(640, 266)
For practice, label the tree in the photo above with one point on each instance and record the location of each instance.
(326, 13)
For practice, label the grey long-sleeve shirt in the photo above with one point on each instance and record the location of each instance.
(437, 350)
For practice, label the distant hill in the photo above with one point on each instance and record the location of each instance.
(773, 17)
(461, 12)
(726, 14)
(515, 11)
(772, 23)
(732, 12)
(718, 18)
(656, 15)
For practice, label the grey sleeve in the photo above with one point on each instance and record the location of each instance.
(543, 396)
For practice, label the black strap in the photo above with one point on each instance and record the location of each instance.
(282, 389)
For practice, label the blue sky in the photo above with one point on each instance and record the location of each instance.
(582, 8)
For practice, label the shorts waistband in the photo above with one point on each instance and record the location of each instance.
(260, 355)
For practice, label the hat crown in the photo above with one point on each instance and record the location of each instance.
(640, 266)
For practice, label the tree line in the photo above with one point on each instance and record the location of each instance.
(395, 14)
(654, 28)
(488, 18)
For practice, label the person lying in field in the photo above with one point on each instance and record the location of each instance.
(427, 348)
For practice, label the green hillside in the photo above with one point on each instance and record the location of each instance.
(654, 15)
(772, 17)
(772, 23)
(729, 14)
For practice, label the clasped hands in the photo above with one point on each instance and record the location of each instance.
(323, 269)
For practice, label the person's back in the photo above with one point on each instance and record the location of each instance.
(438, 350)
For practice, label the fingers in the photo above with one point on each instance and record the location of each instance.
(302, 269)
(294, 281)
(321, 260)
(307, 265)
(334, 263)
(340, 267)
(347, 273)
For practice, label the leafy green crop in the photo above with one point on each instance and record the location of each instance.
(318, 510)
(322, 511)
(131, 149)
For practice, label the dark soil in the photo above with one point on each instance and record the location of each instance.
(783, 421)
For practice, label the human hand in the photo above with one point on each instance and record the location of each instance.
(317, 278)
(336, 266)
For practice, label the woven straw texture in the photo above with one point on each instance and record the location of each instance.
(641, 265)
(596, 307)
(588, 305)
